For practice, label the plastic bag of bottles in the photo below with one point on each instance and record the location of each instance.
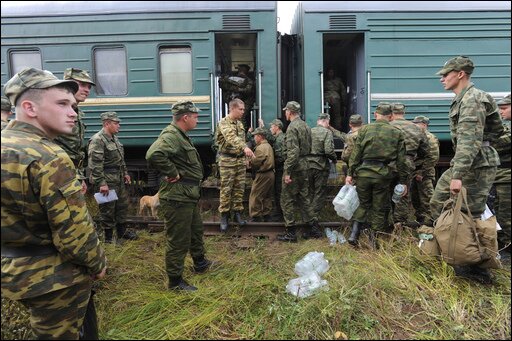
(312, 262)
(346, 202)
(334, 236)
(305, 286)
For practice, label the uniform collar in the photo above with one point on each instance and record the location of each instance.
(26, 127)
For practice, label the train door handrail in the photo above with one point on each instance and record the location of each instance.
(322, 107)
(369, 96)
(260, 76)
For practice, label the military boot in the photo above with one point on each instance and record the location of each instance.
(239, 220)
(224, 217)
(289, 236)
(316, 232)
(354, 234)
(179, 284)
(201, 264)
(108, 236)
(122, 232)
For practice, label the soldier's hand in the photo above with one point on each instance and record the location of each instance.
(250, 130)
(405, 191)
(261, 124)
(348, 180)
(172, 180)
(99, 275)
(287, 179)
(127, 179)
(455, 186)
(104, 190)
(248, 152)
(84, 187)
(419, 178)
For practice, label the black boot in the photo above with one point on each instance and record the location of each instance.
(315, 233)
(179, 284)
(289, 236)
(354, 234)
(201, 264)
(224, 216)
(122, 232)
(239, 220)
(108, 236)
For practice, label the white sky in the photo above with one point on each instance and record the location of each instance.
(285, 12)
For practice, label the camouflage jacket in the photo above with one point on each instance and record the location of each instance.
(474, 119)
(350, 141)
(428, 168)
(378, 142)
(263, 158)
(298, 146)
(4, 124)
(322, 148)
(339, 135)
(74, 143)
(335, 89)
(278, 143)
(174, 153)
(417, 149)
(230, 138)
(106, 159)
(502, 146)
(238, 87)
(42, 205)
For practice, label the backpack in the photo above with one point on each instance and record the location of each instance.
(463, 240)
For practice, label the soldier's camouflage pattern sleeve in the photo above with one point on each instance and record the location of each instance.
(329, 147)
(231, 136)
(503, 143)
(292, 149)
(349, 147)
(96, 160)
(401, 161)
(159, 155)
(425, 154)
(356, 154)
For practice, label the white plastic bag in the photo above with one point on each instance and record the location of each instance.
(305, 286)
(346, 202)
(312, 262)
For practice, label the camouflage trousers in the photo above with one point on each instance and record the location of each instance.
(477, 182)
(278, 188)
(317, 188)
(114, 212)
(421, 193)
(502, 205)
(59, 315)
(260, 199)
(184, 233)
(374, 202)
(232, 187)
(295, 198)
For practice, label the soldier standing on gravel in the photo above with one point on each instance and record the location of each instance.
(174, 155)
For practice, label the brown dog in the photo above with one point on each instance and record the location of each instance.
(149, 202)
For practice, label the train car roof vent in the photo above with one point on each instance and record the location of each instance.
(342, 22)
(236, 22)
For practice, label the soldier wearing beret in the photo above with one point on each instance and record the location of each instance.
(260, 199)
(474, 124)
(50, 250)
(422, 185)
(320, 159)
(108, 172)
(295, 179)
(377, 146)
(6, 111)
(502, 181)
(173, 154)
(74, 143)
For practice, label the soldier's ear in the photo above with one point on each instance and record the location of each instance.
(29, 108)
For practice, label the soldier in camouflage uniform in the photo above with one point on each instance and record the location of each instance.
(474, 124)
(173, 154)
(278, 143)
(295, 179)
(355, 123)
(240, 86)
(230, 137)
(108, 172)
(502, 181)
(74, 143)
(321, 156)
(262, 190)
(335, 94)
(50, 250)
(377, 145)
(6, 111)
(422, 186)
(417, 154)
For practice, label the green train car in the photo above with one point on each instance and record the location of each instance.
(390, 51)
(144, 56)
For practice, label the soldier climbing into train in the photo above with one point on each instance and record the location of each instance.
(240, 86)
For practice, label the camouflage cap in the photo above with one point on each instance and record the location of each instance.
(324, 116)
(355, 120)
(32, 78)
(398, 108)
(460, 63)
(78, 75)
(292, 106)
(184, 107)
(259, 131)
(6, 105)
(504, 101)
(243, 66)
(421, 119)
(384, 108)
(277, 122)
(110, 115)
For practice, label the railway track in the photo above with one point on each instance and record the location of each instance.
(268, 230)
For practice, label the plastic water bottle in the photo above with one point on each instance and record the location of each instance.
(331, 235)
(397, 193)
(341, 237)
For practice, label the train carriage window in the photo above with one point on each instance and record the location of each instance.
(110, 71)
(23, 59)
(176, 69)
